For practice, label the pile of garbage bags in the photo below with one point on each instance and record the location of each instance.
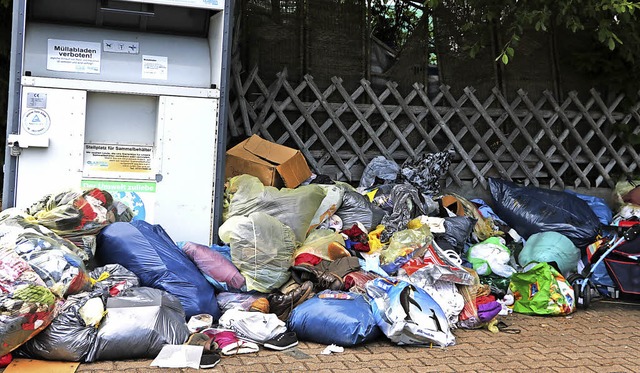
(336, 264)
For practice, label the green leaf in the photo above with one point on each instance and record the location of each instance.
(505, 59)
(510, 51)
(612, 44)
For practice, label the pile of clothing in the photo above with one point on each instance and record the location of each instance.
(325, 262)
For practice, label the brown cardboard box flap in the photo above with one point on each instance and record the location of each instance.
(274, 164)
(274, 153)
(294, 171)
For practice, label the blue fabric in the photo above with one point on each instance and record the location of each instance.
(597, 204)
(344, 322)
(148, 251)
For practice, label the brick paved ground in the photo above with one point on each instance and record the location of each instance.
(603, 339)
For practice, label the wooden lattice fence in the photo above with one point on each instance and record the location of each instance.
(570, 143)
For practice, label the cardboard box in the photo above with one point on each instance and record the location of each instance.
(274, 164)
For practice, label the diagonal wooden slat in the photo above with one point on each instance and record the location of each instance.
(387, 119)
(399, 131)
(312, 123)
(240, 94)
(552, 137)
(501, 136)
(417, 125)
(345, 133)
(533, 145)
(595, 161)
(459, 148)
(274, 89)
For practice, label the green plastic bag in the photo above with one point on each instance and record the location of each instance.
(542, 290)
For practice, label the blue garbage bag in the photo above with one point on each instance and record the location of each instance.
(149, 252)
(333, 317)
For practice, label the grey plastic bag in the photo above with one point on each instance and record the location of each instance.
(381, 168)
(138, 323)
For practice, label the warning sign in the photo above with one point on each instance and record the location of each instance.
(36, 122)
(118, 158)
(73, 56)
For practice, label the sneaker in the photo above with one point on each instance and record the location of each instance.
(209, 360)
(282, 342)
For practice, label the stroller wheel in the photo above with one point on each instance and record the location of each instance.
(586, 296)
(583, 299)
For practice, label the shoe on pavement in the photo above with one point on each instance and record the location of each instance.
(282, 342)
(209, 360)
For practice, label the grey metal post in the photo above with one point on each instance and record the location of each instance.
(13, 103)
(218, 188)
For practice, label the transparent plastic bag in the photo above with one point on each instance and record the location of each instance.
(317, 243)
(491, 256)
(57, 261)
(27, 306)
(261, 249)
(295, 208)
(380, 168)
(405, 242)
(79, 215)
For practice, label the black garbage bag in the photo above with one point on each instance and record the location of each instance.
(357, 208)
(457, 231)
(531, 210)
(71, 334)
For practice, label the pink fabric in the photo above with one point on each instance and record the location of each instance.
(222, 338)
(214, 265)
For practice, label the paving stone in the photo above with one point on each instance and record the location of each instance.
(602, 339)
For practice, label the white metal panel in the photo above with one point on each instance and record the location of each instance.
(115, 87)
(188, 60)
(44, 170)
(187, 148)
(215, 38)
(203, 4)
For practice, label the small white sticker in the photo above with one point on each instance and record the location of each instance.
(119, 46)
(155, 67)
(36, 122)
(73, 56)
(36, 100)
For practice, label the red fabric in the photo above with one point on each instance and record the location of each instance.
(5, 360)
(306, 258)
(485, 299)
(358, 279)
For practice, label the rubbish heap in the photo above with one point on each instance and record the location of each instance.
(323, 261)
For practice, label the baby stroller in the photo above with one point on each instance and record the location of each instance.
(620, 252)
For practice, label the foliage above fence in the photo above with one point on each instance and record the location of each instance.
(569, 143)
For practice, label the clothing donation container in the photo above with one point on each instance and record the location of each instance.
(124, 96)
